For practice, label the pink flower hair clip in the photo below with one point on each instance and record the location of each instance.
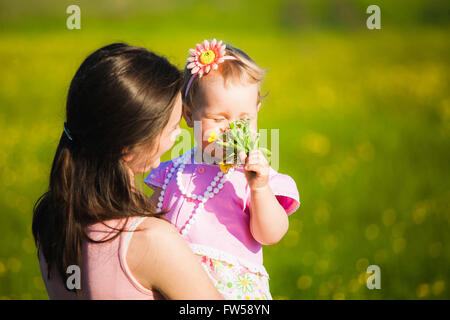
(204, 58)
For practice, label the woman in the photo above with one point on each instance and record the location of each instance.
(123, 112)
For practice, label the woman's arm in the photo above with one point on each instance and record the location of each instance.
(160, 259)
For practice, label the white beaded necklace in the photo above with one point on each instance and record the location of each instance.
(214, 187)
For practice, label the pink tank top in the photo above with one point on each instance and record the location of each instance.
(104, 271)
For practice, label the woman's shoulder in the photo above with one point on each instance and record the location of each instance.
(155, 247)
(151, 226)
(159, 259)
(156, 234)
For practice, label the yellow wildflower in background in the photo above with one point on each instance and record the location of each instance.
(225, 166)
(212, 136)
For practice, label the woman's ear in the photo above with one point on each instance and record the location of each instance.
(127, 157)
(187, 115)
(258, 107)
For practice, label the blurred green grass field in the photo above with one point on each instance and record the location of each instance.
(364, 119)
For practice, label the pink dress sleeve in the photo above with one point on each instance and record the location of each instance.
(156, 176)
(285, 190)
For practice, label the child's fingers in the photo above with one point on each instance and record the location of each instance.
(251, 159)
(255, 152)
(257, 167)
(256, 158)
(264, 160)
(242, 156)
(254, 167)
(258, 155)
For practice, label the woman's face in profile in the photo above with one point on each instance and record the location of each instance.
(146, 159)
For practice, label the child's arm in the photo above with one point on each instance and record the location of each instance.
(268, 219)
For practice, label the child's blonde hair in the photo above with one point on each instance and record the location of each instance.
(243, 69)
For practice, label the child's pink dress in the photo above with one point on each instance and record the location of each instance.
(221, 234)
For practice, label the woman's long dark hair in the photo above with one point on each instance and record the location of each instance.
(120, 99)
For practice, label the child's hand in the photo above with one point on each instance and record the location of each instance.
(256, 169)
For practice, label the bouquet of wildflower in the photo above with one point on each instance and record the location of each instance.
(238, 137)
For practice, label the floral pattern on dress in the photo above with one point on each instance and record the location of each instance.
(236, 282)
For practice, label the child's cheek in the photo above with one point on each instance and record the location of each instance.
(205, 144)
(254, 125)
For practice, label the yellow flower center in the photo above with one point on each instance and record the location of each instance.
(207, 57)
(244, 282)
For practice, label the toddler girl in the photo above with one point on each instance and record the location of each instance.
(225, 217)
